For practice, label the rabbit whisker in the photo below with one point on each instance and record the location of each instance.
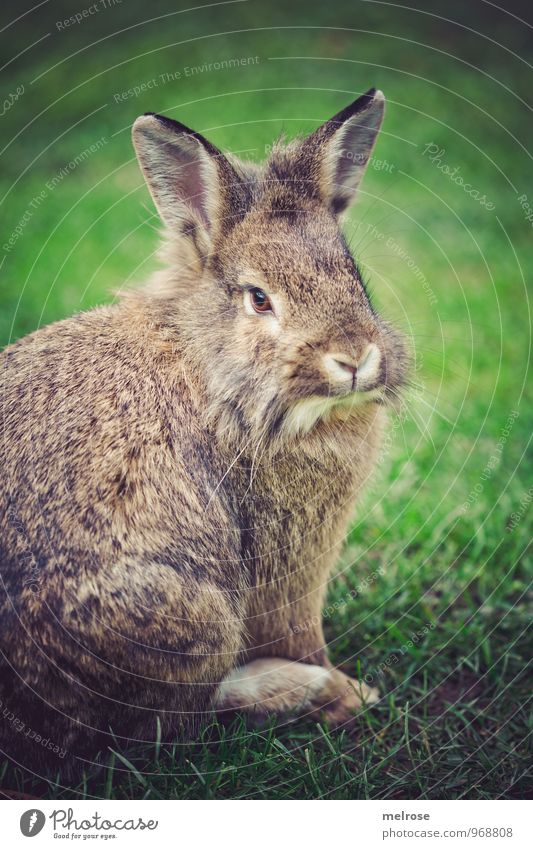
(226, 473)
(261, 437)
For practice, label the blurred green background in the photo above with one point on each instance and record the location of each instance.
(448, 517)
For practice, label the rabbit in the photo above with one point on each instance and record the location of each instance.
(180, 467)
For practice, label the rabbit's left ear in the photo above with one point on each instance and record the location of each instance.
(195, 188)
(342, 146)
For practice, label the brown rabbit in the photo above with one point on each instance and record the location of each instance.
(179, 469)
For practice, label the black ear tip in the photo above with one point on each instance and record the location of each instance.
(163, 118)
(170, 123)
(171, 127)
(371, 96)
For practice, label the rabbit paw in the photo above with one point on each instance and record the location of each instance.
(342, 698)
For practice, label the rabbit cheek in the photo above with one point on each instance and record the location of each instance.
(265, 326)
(270, 326)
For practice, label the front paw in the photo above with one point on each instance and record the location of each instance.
(342, 698)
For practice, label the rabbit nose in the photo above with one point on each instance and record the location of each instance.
(341, 367)
(350, 367)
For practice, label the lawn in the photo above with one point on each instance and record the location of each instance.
(432, 602)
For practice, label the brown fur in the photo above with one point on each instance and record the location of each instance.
(161, 521)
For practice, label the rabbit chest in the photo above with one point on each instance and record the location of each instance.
(295, 511)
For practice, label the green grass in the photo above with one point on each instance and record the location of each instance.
(446, 525)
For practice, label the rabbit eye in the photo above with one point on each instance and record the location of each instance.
(260, 300)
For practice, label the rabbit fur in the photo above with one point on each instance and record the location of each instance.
(179, 470)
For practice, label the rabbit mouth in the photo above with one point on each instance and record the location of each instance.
(304, 415)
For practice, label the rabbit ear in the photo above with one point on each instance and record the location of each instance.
(190, 180)
(343, 146)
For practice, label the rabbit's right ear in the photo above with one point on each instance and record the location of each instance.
(339, 150)
(191, 182)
